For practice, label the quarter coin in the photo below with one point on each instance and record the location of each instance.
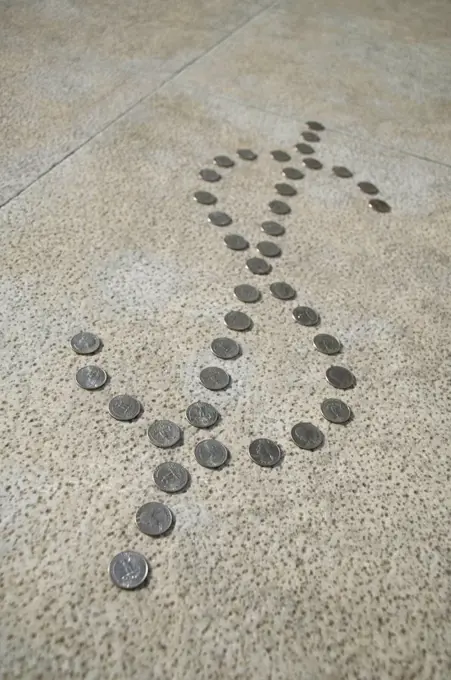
(312, 163)
(210, 453)
(236, 242)
(200, 414)
(246, 293)
(282, 290)
(307, 436)
(214, 378)
(305, 148)
(237, 321)
(171, 477)
(279, 207)
(257, 265)
(368, 188)
(285, 189)
(314, 125)
(379, 206)
(326, 344)
(265, 452)
(340, 377)
(293, 173)
(91, 377)
(154, 519)
(310, 136)
(209, 175)
(306, 316)
(268, 249)
(223, 161)
(280, 156)
(205, 197)
(225, 348)
(85, 343)
(128, 570)
(341, 171)
(164, 433)
(273, 228)
(336, 411)
(247, 154)
(124, 408)
(219, 219)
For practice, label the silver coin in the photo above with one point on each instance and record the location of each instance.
(326, 344)
(164, 433)
(237, 321)
(280, 156)
(246, 293)
(273, 228)
(223, 161)
(310, 136)
(154, 519)
(340, 377)
(268, 249)
(200, 414)
(282, 290)
(314, 125)
(265, 452)
(236, 242)
(305, 148)
(210, 453)
(171, 477)
(293, 173)
(285, 189)
(85, 343)
(306, 316)
(123, 407)
(307, 436)
(379, 206)
(258, 266)
(368, 188)
(312, 163)
(214, 378)
(209, 175)
(128, 570)
(279, 207)
(247, 154)
(205, 197)
(225, 348)
(219, 219)
(91, 377)
(336, 411)
(341, 171)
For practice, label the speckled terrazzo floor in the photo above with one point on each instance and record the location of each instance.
(334, 565)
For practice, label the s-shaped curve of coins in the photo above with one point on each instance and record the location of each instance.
(130, 569)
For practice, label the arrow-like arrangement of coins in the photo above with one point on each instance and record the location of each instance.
(129, 569)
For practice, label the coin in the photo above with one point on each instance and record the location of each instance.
(282, 290)
(305, 148)
(336, 411)
(268, 249)
(210, 453)
(341, 171)
(214, 378)
(128, 569)
(223, 161)
(312, 163)
(154, 519)
(91, 377)
(326, 344)
(280, 156)
(246, 154)
(293, 173)
(306, 316)
(306, 436)
(236, 242)
(123, 407)
(265, 452)
(219, 219)
(205, 197)
(379, 206)
(201, 414)
(209, 175)
(225, 348)
(171, 477)
(368, 188)
(314, 125)
(164, 433)
(279, 207)
(258, 266)
(273, 228)
(237, 321)
(285, 189)
(340, 377)
(310, 137)
(246, 293)
(85, 343)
